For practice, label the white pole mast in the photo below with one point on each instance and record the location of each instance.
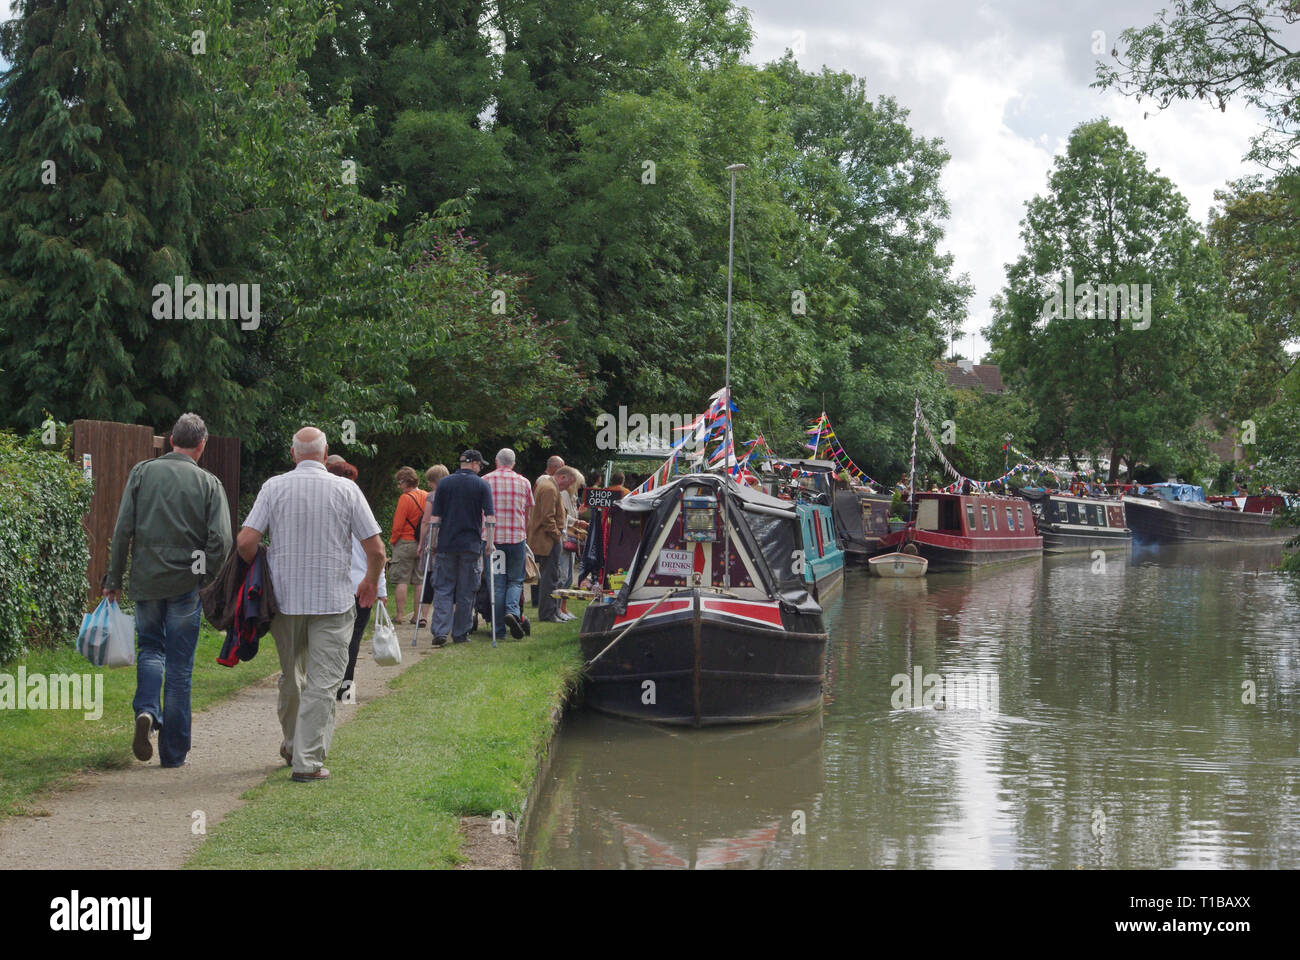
(729, 441)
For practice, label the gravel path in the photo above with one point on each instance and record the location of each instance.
(145, 817)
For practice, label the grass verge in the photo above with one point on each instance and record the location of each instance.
(42, 749)
(460, 734)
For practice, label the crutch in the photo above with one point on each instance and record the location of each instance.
(424, 576)
(492, 586)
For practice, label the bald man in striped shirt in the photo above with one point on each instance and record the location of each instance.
(311, 516)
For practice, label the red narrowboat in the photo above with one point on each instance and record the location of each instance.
(957, 531)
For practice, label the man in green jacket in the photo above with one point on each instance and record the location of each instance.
(175, 521)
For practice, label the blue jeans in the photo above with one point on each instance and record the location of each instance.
(510, 588)
(456, 581)
(168, 632)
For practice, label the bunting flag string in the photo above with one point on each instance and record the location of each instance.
(824, 436)
(911, 476)
(740, 469)
(699, 431)
(1056, 472)
(952, 471)
(1027, 466)
(711, 425)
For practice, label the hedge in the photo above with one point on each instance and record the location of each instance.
(43, 552)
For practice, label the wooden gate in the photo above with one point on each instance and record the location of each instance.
(113, 449)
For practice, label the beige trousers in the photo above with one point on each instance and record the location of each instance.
(313, 658)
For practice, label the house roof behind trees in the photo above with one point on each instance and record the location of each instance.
(965, 375)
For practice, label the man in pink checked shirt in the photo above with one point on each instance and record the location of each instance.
(512, 498)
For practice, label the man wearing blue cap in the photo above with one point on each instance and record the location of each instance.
(462, 519)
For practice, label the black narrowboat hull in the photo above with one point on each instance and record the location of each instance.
(1171, 521)
(703, 659)
(1062, 538)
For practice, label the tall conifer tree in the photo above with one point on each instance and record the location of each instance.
(98, 137)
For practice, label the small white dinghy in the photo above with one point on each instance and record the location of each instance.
(904, 564)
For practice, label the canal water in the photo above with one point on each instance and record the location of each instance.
(1137, 715)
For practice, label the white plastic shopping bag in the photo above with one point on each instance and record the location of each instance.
(121, 638)
(107, 636)
(388, 652)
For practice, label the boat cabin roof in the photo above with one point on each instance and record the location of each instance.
(645, 502)
(813, 466)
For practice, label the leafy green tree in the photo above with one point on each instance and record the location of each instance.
(982, 422)
(99, 141)
(867, 190)
(341, 146)
(421, 73)
(1128, 384)
(1278, 456)
(1255, 233)
(1218, 52)
(393, 349)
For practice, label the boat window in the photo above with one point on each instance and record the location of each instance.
(1098, 516)
(970, 516)
(984, 515)
(1072, 512)
(994, 511)
(1011, 520)
(1021, 514)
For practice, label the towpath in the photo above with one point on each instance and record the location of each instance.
(145, 817)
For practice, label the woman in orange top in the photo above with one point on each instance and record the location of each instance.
(405, 537)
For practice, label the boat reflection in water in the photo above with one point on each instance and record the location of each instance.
(740, 796)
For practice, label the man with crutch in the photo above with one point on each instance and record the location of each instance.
(462, 514)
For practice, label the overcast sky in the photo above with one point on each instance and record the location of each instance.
(1002, 83)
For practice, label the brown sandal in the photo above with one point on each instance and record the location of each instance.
(286, 755)
(321, 774)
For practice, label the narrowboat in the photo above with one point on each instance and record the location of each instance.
(715, 622)
(1178, 512)
(810, 485)
(823, 560)
(1067, 522)
(959, 531)
(862, 522)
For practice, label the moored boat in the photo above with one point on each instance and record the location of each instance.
(723, 627)
(823, 560)
(954, 530)
(809, 485)
(1179, 512)
(898, 565)
(862, 522)
(1067, 522)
